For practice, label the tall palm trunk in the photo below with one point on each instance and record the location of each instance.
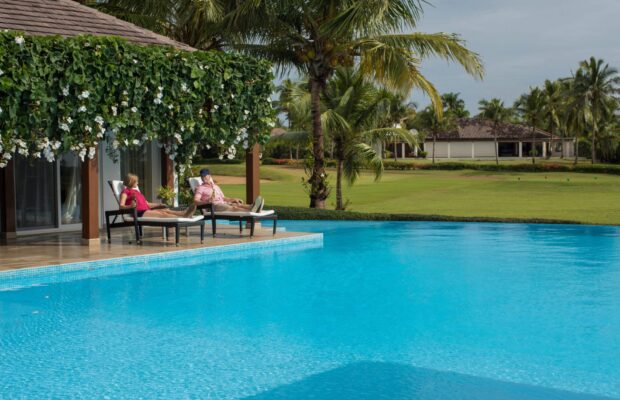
(339, 204)
(434, 145)
(496, 144)
(533, 150)
(576, 150)
(395, 150)
(593, 145)
(318, 189)
(562, 137)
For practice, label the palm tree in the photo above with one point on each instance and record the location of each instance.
(454, 104)
(197, 23)
(554, 102)
(429, 121)
(494, 111)
(530, 107)
(316, 36)
(595, 84)
(354, 114)
(397, 113)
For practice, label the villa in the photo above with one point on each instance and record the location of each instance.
(473, 138)
(67, 194)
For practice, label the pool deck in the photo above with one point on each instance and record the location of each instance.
(66, 248)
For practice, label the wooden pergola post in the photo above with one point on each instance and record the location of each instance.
(252, 177)
(90, 201)
(8, 217)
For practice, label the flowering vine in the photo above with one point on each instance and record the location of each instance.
(69, 94)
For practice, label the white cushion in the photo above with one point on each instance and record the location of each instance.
(244, 213)
(194, 182)
(154, 219)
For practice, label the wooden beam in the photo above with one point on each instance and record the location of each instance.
(8, 217)
(90, 201)
(252, 177)
(167, 170)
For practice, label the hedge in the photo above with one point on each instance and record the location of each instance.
(68, 94)
(299, 213)
(455, 166)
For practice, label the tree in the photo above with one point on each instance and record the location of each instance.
(595, 86)
(429, 121)
(530, 107)
(554, 104)
(197, 23)
(453, 104)
(494, 111)
(355, 114)
(397, 113)
(315, 37)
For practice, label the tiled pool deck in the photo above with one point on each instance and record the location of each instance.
(65, 249)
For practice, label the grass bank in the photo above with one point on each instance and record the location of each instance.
(591, 198)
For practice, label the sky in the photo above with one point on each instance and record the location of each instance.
(521, 42)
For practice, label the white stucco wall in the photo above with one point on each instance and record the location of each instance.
(460, 150)
(484, 149)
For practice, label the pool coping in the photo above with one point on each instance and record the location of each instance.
(12, 276)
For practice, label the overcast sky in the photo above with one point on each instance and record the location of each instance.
(522, 42)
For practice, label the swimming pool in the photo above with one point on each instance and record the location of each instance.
(381, 310)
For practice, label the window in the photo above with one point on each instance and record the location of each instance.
(70, 189)
(138, 161)
(35, 193)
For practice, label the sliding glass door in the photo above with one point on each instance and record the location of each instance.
(35, 193)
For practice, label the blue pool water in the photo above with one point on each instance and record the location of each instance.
(380, 311)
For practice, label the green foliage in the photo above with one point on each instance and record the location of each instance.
(167, 195)
(67, 94)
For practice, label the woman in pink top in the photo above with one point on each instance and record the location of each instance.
(132, 198)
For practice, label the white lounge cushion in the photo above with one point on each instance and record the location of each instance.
(244, 213)
(153, 219)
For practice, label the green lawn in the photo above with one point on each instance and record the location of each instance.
(587, 198)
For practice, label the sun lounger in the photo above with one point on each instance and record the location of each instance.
(241, 216)
(129, 218)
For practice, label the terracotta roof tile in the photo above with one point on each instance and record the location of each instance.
(68, 18)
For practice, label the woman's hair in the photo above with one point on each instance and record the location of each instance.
(130, 180)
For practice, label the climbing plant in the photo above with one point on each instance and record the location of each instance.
(68, 94)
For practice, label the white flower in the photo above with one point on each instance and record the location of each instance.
(136, 142)
(115, 144)
(184, 87)
(88, 129)
(160, 88)
(82, 109)
(65, 91)
(114, 110)
(271, 124)
(56, 144)
(69, 120)
(91, 152)
(222, 142)
(170, 106)
(134, 109)
(215, 108)
(208, 146)
(146, 89)
(99, 120)
(245, 144)
(0, 110)
(135, 61)
(19, 40)
(157, 100)
(125, 93)
(84, 95)
(232, 96)
(22, 151)
(268, 99)
(246, 112)
(126, 142)
(1, 72)
(177, 136)
(124, 103)
(6, 156)
(64, 127)
(230, 156)
(322, 175)
(82, 154)
(222, 86)
(221, 156)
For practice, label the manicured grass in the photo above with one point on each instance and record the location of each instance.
(584, 198)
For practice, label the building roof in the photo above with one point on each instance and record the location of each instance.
(69, 18)
(469, 129)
